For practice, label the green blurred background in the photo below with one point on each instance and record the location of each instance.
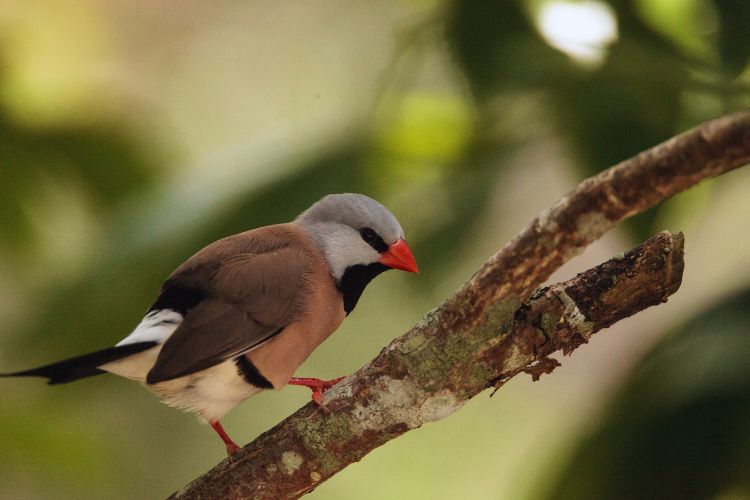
(133, 133)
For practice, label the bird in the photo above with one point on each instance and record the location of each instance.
(241, 315)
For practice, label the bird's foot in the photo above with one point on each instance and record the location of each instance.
(232, 447)
(317, 386)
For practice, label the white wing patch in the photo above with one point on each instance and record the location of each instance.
(156, 326)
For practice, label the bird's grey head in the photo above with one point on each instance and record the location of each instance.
(352, 230)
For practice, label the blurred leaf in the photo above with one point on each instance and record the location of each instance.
(427, 127)
(107, 161)
(608, 114)
(503, 58)
(498, 47)
(678, 429)
(734, 34)
(635, 104)
(468, 197)
(686, 22)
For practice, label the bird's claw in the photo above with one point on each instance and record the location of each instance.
(317, 386)
(232, 449)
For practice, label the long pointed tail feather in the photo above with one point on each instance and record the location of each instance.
(83, 366)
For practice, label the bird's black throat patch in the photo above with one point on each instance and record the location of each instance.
(354, 281)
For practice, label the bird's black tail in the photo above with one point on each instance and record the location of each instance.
(84, 366)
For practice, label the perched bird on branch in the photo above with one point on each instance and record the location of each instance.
(241, 315)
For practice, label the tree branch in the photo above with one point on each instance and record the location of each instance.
(486, 333)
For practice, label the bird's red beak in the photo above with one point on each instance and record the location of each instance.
(399, 256)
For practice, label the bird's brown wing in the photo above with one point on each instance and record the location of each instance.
(245, 300)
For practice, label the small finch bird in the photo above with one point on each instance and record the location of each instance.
(241, 315)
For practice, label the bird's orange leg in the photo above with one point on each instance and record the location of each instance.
(317, 386)
(232, 447)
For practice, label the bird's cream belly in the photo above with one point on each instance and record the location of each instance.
(210, 393)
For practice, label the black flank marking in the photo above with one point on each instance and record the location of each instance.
(251, 374)
(178, 297)
(83, 366)
(354, 281)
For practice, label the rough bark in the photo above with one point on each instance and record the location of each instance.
(488, 331)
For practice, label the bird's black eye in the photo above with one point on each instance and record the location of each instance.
(373, 239)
